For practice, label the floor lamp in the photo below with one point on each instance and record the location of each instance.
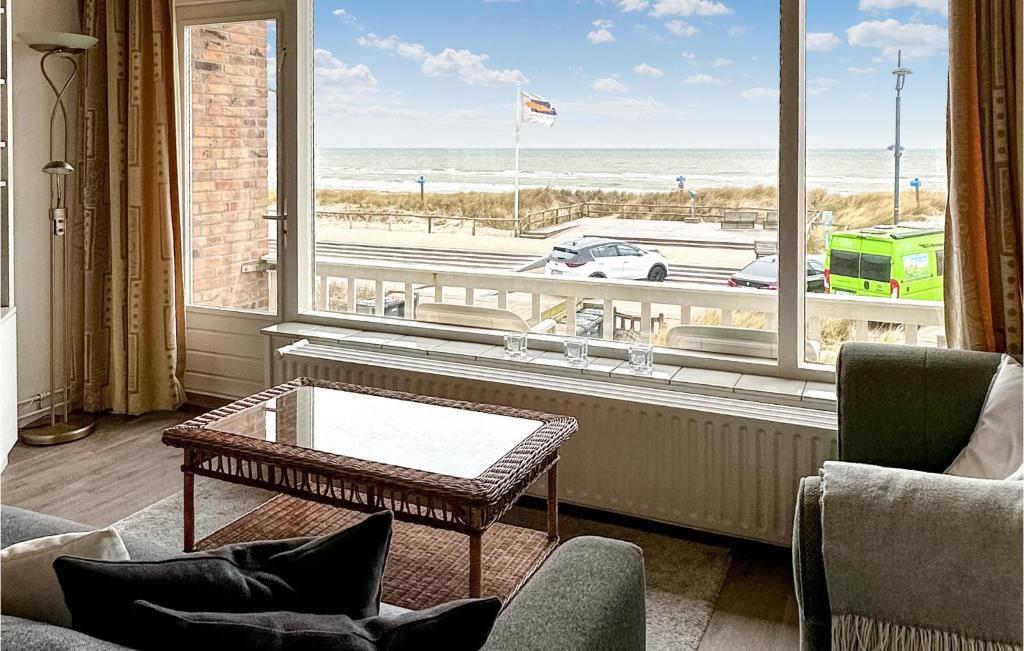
(60, 425)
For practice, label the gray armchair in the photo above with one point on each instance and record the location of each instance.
(900, 407)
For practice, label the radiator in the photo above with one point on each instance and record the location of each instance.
(717, 464)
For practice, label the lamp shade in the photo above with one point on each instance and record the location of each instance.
(65, 41)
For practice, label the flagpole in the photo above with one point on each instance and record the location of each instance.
(519, 113)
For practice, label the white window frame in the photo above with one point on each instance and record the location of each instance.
(188, 13)
(296, 254)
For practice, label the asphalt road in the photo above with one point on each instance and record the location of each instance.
(489, 260)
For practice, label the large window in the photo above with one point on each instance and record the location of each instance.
(654, 176)
(642, 137)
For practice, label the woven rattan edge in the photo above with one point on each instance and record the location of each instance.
(509, 475)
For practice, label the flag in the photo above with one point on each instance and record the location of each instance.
(534, 109)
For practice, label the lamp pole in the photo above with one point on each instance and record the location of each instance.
(897, 149)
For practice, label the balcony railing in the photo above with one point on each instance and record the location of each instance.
(537, 297)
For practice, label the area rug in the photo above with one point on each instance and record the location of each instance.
(683, 577)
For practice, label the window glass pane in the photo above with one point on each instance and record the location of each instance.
(644, 145)
(230, 180)
(876, 174)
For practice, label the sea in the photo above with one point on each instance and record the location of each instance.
(844, 171)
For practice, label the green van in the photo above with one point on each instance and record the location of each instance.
(887, 261)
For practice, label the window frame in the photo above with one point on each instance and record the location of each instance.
(297, 264)
(190, 13)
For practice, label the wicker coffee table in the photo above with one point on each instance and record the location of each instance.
(447, 469)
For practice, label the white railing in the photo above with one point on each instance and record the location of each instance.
(675, 301)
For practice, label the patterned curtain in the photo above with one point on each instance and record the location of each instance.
(983, 215)
(131, 281)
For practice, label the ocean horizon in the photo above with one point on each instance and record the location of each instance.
(844, 171)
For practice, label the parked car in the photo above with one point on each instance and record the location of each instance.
(597, 257)
(763, 273)
(886, 261)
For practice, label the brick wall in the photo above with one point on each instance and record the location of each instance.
(229, 164)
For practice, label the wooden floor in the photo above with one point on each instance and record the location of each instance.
(124, 467)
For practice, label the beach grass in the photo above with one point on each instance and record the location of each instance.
(849, 211)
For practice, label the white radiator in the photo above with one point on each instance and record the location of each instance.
(718, 464)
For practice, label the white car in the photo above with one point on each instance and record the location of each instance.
(595, 257)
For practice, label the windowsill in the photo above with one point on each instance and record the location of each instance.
(610, 370)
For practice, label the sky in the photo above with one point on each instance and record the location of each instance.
(621, 73)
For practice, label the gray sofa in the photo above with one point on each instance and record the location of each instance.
(588, 596)
(910, 408)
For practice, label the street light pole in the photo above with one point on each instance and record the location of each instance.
(897, 149)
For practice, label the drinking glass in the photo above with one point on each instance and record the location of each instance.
(516, 346)
(641, 359)
(576, 351)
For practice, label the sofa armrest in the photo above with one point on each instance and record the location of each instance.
(589, 596)
(809, 569)
(922, 551)
(909, 407)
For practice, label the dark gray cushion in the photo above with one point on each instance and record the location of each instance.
(456, 626)
(338, 574)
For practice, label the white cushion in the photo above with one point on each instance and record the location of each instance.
(28, 584)
(996, 448)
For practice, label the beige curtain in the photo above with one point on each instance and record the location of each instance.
(983, 216)
(131, 281)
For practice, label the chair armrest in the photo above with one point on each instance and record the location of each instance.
(922, 551)
(546, 326)
(809, 569)
(909, 407)
(589, 596)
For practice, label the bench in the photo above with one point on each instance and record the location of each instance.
(737, 220)
(771, 220)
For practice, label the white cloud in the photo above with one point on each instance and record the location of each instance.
(820, 85)
(689, 56)
(854, 70)
(941, 6)
(915, 39)
(756, 93)
(822, 41)
(718, 63)
(633, 5)
(689, 8)
(610, 85)
(402, 48)
(737, 30)
(645, 70)
(346, 18)
(603, 32)
(701, 79)
(681, 28)
(329, 69)
(468, 66)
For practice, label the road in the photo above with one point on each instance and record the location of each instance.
(489, 260)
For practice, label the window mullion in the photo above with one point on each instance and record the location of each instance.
(792, 199)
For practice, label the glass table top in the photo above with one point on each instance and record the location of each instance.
(442, 440)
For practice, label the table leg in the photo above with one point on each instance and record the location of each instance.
(474, 564)
(553, 502)
(188, 506)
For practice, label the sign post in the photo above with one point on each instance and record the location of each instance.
(681, 182)
(422, 181)
(916, 184)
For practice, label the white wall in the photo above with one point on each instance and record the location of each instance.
(32, 101)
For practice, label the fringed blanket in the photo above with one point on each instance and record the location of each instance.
(922, 561)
